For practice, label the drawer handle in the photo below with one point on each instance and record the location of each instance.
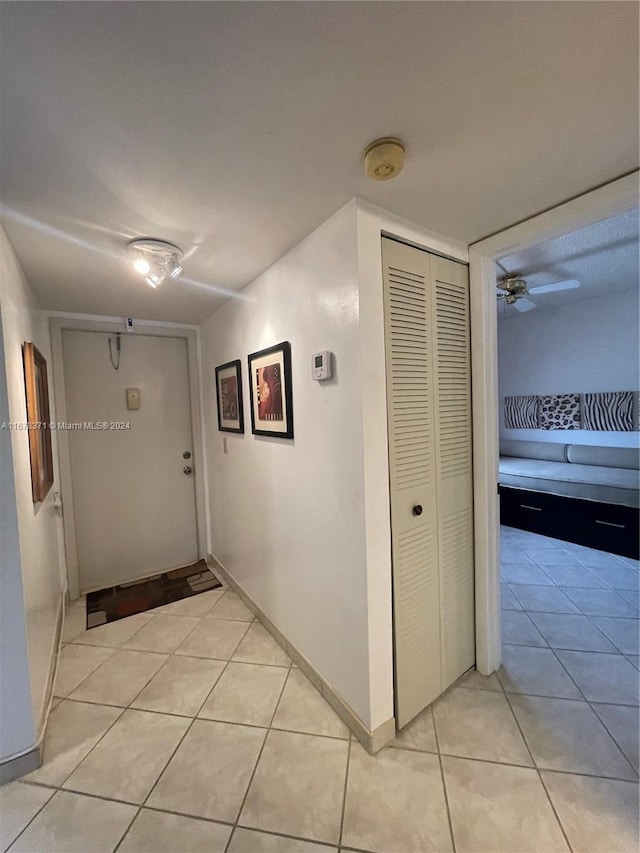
(610, 524)
(536, 508)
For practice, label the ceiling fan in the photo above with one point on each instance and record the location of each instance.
(514, 290)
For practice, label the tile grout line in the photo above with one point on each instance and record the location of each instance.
(255, 766)
(537, 770)
(444, 784)
(344, 793)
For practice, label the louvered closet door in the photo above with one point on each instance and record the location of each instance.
(454, 471)
(429, 415)
(412, 472)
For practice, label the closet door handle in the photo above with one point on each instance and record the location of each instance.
(417, 510)
(610, 524)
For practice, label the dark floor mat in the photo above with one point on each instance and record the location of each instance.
(116, 602)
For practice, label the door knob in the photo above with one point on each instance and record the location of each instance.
(186, 455)
(187, 469)
(417, 510)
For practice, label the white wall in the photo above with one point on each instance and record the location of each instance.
(288, 516)
(586, 346)
(17, 731)
(39, 525)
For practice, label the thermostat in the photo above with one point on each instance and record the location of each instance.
(322, 366)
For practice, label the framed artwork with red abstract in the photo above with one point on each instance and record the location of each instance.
(271, 392)
(229, 397)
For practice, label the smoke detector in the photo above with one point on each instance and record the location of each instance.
(384, 158)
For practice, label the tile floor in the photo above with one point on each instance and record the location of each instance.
(188, 729)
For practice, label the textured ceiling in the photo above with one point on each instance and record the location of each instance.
(603, 257)
(234, 129)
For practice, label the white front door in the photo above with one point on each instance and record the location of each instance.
(133, 492)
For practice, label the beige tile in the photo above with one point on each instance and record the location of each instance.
(18, 805)
(181, 686)
(567, 735)
(163, 633)
(508, 601)
(213, 638)
(419, 734)
(603, 678)
(547, 599)
(210, 772)
(571, 631)
(479, 724)
(73, 729)
(75, 623)
(622, 632)
(130, 757)
(496, 808)
(524, 573)
(601, 602)
(573, 576)
(622, 723)
(597, 814)
(550, 556)
(251, 841)
(194, 605)
(75, 664)
(72, 823)
(114, 634)
(536, 672)
(159, 832)
(119, 680)
(395, 801)
(298, 787)
(258, 646)
(231, 606)
(246, 693)
(303, 709)
(477, 681)
(519, 630)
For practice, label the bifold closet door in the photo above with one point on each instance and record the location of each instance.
(428, 402)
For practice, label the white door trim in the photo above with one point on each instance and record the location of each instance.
(601, 203)
(57, 323)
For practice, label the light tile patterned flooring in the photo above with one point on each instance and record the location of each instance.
(188, 729)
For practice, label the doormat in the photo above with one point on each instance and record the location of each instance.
(116, 602)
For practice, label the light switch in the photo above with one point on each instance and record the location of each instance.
(133, 399)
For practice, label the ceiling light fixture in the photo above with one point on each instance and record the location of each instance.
(155, 259)
(384, 158)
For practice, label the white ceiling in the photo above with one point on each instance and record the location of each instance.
(234, 129)
(603, 257)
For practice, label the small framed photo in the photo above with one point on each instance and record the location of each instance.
(229, 397)
(271, 392)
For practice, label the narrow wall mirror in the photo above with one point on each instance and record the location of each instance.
(37, 389)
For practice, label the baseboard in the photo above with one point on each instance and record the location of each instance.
(27, 762)
(14, 768)
(371, 740)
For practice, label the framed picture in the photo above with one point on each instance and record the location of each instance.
(37, 389)
(229, 396)
(270, 391)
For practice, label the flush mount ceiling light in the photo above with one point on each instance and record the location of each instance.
(384, 158)
(155, 260)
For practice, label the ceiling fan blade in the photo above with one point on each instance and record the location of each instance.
(569, 284)
(523, 305)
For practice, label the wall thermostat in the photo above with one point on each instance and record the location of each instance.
(322, 366)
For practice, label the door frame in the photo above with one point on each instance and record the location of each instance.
(58, 323)
(600, 203)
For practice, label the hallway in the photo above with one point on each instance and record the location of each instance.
(189, 728)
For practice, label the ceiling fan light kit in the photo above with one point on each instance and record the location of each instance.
(514, 290)
(155, 259)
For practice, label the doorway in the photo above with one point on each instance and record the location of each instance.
(130, 452)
